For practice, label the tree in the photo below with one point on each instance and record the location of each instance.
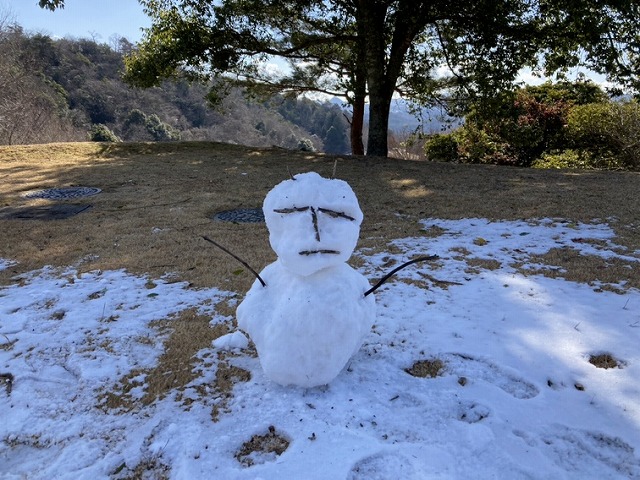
(32, 108)
(380, 47)
(51, 4)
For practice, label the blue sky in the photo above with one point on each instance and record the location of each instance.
(99, 19)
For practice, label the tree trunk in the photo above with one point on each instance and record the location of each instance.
(371, 20)
(360, 87)
(384, 62)
(357, 124)
(379, 107)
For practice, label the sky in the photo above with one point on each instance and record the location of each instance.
(516, 393)
(97, 19)
(101, 20)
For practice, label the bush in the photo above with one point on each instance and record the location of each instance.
(442, 148)
(609, 131)
(566, 159)
(306, 145)
(518, 127)
(160, 131)
(101, 133)
(478, 145)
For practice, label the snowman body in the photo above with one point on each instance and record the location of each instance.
(312, 316)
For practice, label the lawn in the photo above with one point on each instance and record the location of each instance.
(515, 351)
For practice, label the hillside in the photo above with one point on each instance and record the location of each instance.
(60, 90)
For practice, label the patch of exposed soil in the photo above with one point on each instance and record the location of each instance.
(604, 360)
(429, 368)
(262, 448)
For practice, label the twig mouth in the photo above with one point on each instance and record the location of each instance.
(319, 252)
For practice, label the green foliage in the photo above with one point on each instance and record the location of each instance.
(51, 4)
(57, 90)
(532, 120)
(609, 132)
(566, 159)
(477, 145)
(442, 148)
(562, 125)
(160, 131)
(101, 133)
(354, 49)
(519, 127)
(305, 145)
(324, 120)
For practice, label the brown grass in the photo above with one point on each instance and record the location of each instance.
(158, 199)
(269, 443)
(604, 360)
(430, 368)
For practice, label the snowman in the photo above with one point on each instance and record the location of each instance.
(308, 312)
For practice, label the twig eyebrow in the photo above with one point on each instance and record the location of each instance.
(291, 210)
(326, 211)
(334, 214)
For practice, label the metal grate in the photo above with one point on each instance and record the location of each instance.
(240, 215)
(67, 193)
(52, 212)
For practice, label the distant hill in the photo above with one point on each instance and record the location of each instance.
(61, 90)
(403, 120)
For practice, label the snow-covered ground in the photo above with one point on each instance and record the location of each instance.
(517, 397)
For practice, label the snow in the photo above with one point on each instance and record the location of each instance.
(308, 313)
(231, 341)
(312, 214)
(306, 328)
(515, 344)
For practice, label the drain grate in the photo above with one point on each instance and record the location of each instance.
(240, 215)
(52, 212)
(67, 193)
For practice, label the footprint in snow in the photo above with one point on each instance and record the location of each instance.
(471, 368)
(472, 412)
(383, 466)
(596, 452)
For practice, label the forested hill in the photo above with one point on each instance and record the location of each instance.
(70, 89)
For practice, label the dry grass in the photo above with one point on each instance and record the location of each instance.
(267, 445)
(430, 368)
(604, 360)
(158, 199)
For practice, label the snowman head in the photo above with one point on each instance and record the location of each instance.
(313, 222)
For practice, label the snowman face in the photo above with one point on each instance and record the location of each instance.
(313, 222)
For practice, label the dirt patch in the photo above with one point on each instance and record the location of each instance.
(604, 360)
(430, 368)
(262, 448)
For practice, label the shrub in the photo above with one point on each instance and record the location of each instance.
(566, 159)
(479, 145)
(442, 148)
(101, 133)
(306, 145)
(518, 127)
(609, 131)
(160, 131)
